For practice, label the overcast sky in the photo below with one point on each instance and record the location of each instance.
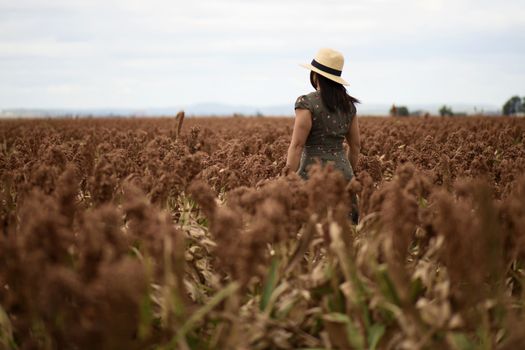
(156, 53)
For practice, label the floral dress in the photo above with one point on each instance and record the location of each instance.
(325, 141)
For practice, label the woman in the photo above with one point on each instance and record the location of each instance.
(324, 119)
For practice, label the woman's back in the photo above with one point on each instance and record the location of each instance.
(329, 129)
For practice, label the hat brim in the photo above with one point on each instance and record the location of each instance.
(324, 74)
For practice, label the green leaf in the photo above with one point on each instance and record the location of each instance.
(386, 286)
(269, 285)
(375, 333)
(146, 317)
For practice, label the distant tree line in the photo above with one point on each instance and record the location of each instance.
(403, 111)
(446, 111)
(515, 105)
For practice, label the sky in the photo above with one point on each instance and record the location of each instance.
(157, 53)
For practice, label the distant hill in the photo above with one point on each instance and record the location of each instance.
(219, 109)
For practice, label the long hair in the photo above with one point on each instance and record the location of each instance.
(333, 95)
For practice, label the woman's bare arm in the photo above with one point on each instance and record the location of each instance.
(301, 129)
(354, 142)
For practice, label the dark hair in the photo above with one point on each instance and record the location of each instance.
(333, 95)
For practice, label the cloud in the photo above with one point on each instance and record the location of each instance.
(98, 53)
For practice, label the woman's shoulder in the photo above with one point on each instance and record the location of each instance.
(306, 101)
(314, 94)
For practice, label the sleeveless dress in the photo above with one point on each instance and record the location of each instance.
(325, 141)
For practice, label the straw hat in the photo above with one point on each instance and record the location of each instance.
(329, 63)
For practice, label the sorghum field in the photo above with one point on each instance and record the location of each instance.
(182, 234)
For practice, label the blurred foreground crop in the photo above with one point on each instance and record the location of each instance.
(136, 234)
